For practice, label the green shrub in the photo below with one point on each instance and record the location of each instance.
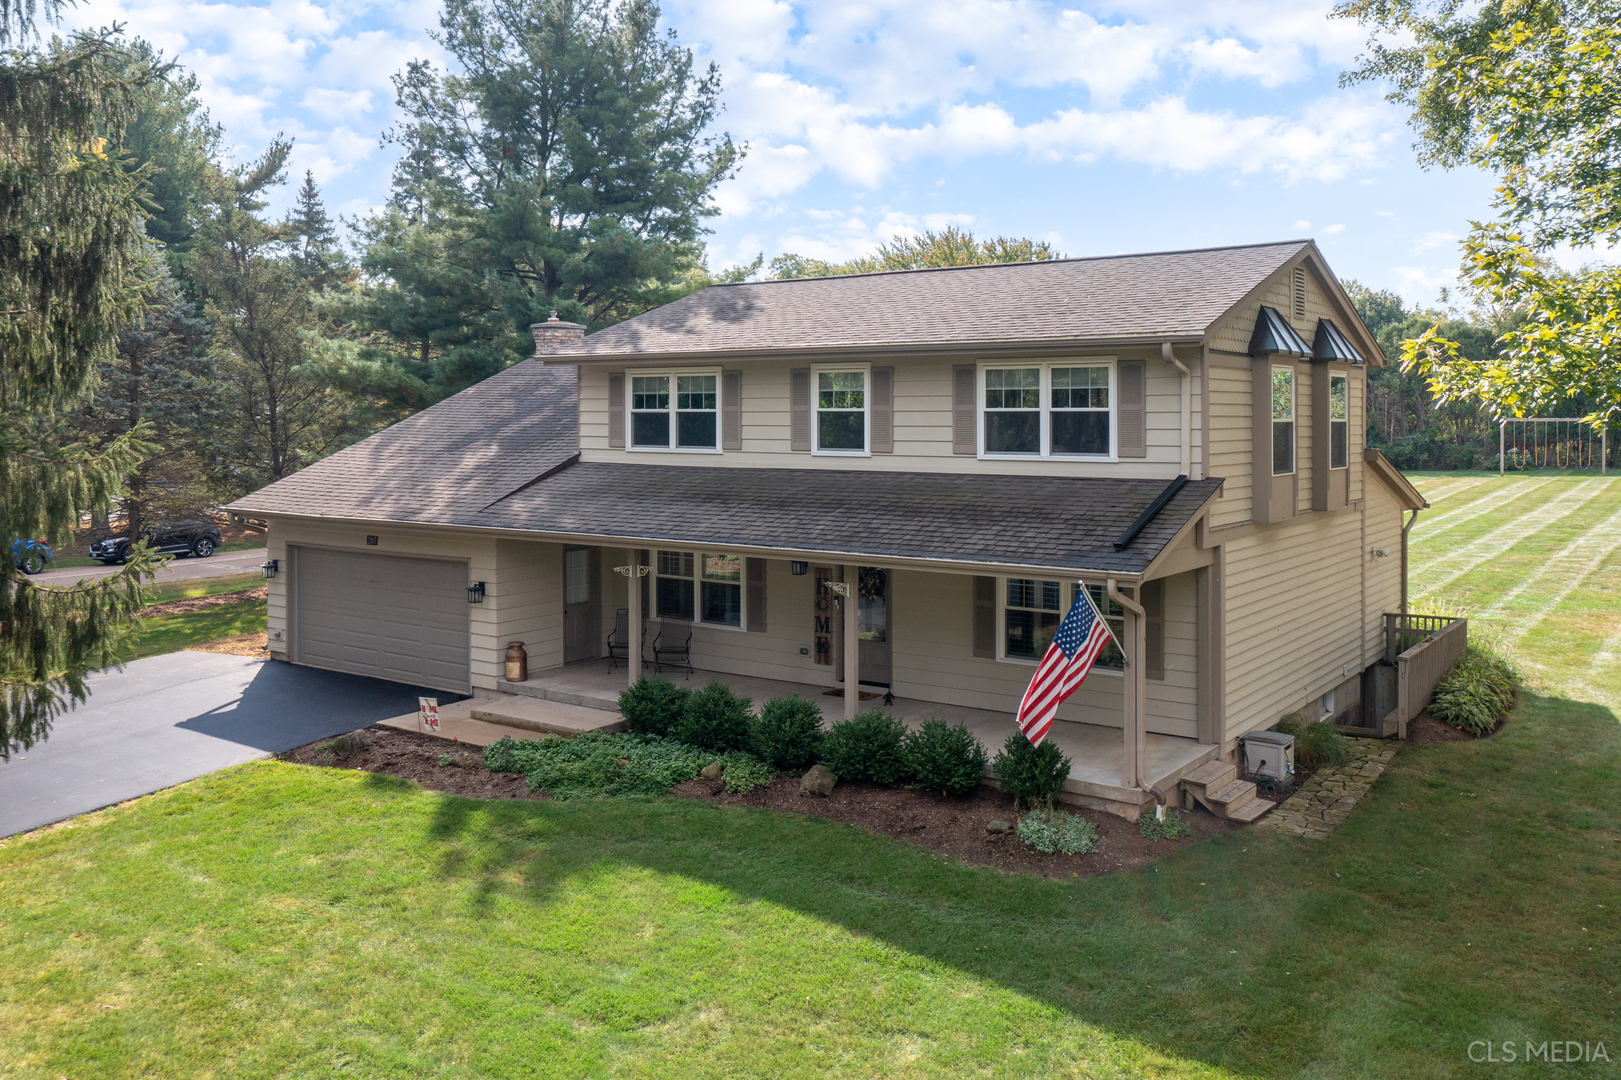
(1055, 832)
(870, 747)
(1315, 743)
(745, 772)
(945, 758)
(1152, 828)
(715, 719)
(1476, 693)
(653, 706)
(1032, 775)
(597, 764)
(788, 733)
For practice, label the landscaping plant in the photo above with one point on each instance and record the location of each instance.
(1315, 743)
(1031, 775)
(745, 772)
(715, 719)
(788, 733)
(945, 758)
(597, 764)
(869, 747)
(1169, 828)
(1054, 832)
(1476, 693)
(653, 706)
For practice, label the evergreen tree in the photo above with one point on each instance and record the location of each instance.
(315, 249)
(564, 165)
(71, 251)
(171, 136)
(949, 247)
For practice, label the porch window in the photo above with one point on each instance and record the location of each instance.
(699, 587)
(1283, 421)
(1111, 657)
(685, 420)
(1338, 420)
(1049, 410)
(841, 411)
(1031, 617)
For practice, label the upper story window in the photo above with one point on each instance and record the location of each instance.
(1283, 420)
(1064, 409)
(841, 410)
(1033, 608)
(685, 419)
(699, 587)
(1339, 415)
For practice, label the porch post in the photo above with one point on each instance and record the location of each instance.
(633, 648)
(852, 641)
(1135, 737)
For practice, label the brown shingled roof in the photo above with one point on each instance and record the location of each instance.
(1171, 293)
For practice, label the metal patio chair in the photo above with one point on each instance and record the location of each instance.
(674, 655)
(619, 640)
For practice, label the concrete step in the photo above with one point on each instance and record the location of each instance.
(1225, 800)
(546, 717)
(567, 695)
(1251, 810)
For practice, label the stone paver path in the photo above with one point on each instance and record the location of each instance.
(1329, 796)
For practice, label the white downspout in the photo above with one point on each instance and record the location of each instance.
(1169, 354)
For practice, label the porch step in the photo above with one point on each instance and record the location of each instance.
(1229, 798)
(1207, 778)
(547, 717)
(1251, 810)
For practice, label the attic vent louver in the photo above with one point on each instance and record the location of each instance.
(1274, 336)
(1300, 293)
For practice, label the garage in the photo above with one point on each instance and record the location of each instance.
(387, 616)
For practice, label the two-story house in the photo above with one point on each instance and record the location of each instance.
(896, 482)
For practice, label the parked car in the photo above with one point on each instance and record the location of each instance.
(30, 555)
(199, 538)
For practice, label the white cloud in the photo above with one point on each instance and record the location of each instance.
(1431, 241)
(1302, 225)
(1422, 284)
(1333, 230)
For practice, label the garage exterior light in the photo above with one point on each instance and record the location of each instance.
(270, 568)
(475, 593)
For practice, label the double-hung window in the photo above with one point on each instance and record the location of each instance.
(841, 410)
(1339, 416)
(699, 587)
(1061, 409)
(1283, 421)
(675, 411)
(1033, 608)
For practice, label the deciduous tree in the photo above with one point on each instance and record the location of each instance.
(950, 246)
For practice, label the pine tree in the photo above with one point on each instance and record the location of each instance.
(314, 239)
(71, 251)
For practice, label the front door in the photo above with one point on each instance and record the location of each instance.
(581, 641)
(872, 625)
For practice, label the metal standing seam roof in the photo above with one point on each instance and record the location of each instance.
(1171, 293)
(1059, 522)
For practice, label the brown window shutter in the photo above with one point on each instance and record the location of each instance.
(1154, 628)
(731, 410)
(964, 438)
(883, 410)
(1132, 439)
(799, 406)
(755, 572)
(616, 410)
(985, 615)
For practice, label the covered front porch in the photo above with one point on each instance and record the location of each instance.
(1096, 752)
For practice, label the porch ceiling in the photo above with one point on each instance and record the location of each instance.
(1024, 521)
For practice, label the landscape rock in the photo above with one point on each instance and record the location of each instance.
(999, 827)
(711, 771)
(352, 743)
(818, 782)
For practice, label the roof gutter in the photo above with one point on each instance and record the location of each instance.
(1011, 347)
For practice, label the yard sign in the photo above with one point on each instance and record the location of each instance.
(428, 709)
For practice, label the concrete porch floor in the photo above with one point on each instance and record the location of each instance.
(1096, 753)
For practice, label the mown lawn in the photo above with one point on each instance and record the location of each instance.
(274, 920)
(171, 633)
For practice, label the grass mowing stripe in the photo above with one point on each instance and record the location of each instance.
(1436, 491)
(1592, 548)
(1474, 511)
(1503, 537)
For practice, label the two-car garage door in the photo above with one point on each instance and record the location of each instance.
(387, 616)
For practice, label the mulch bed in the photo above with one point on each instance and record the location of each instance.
(198, 603)
(251, 644)
(954, 827)
(1424, 729)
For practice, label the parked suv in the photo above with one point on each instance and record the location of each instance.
(30, 556)
(199, 538)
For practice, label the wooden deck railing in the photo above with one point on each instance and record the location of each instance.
(1423, 648)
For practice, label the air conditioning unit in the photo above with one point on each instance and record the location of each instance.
(1269, 753)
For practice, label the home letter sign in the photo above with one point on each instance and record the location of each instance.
(428, 710)
(824, 616)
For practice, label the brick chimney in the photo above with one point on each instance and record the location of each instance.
(554, 333)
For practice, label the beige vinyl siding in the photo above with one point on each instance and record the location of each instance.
(922, 425)
(1230, 438)
(528, 600)
(1385, 517)
(480, 553)
(1356, 431)
(1304, 374)
(1292, 603)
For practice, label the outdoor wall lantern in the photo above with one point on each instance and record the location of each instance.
(800, 569)
(475, 593)
(270, 568)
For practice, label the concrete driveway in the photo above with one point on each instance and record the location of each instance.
(180, 568)
(169, 719)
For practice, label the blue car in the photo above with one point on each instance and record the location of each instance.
(30, 555)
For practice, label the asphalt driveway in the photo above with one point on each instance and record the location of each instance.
(219, 564)
(169, 719)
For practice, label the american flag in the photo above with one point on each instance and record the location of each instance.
(1081, 636)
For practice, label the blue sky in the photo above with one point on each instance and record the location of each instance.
(1135, 126)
